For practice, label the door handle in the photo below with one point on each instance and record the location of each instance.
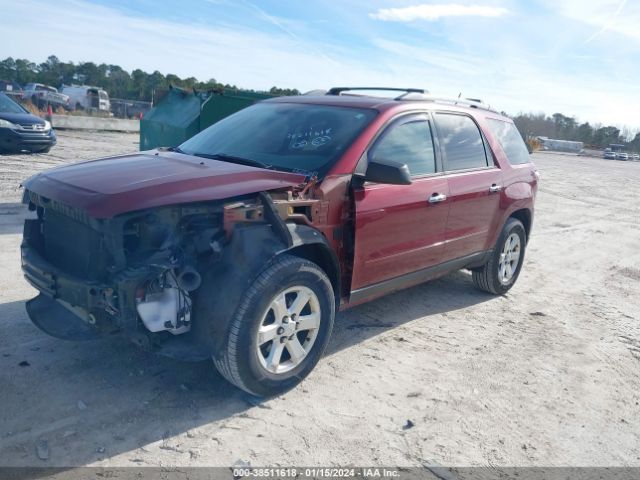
(437, 198)
(495, 188)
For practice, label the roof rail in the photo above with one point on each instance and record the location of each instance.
(417, 94)
(465, 102)
(340, 90)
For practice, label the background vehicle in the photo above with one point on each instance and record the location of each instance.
(12, 89)
(635, 156)
(242, 243)
(128, 108)
(21, 131)
(609, 155)
(83, 97)
(622, 156)
(43, 95)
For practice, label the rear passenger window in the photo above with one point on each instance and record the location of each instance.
(510, 140)
(410, 143)
(461, 141)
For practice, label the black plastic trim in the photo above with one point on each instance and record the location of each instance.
(419, 276)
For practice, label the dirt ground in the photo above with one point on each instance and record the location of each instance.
(547, 375)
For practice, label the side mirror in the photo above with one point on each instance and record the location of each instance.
(387, 171)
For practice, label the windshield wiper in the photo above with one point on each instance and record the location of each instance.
(233, 159)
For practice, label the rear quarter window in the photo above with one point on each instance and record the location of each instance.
(510, 140)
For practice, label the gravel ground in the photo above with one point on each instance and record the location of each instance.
(441, 374)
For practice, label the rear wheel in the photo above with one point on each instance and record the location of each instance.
(280, 329)
(501, 271)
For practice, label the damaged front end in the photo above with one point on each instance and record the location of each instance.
(109, 274)
(169, 278)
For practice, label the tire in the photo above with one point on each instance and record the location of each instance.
(247, 358)
(492, 277)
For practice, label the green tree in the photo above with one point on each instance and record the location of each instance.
(8, 69)
(585, 133)
(604, 136)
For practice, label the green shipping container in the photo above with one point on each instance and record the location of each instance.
(181, 114)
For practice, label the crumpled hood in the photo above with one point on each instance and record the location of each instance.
(110, 186)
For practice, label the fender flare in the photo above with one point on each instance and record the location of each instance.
(251, 249)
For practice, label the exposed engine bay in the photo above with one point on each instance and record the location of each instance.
(142, 272)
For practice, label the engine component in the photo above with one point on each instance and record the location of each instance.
(189, 279)
(165, 306)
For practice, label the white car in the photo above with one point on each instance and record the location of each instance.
(635, 156)
(622, 156)
(84, 97)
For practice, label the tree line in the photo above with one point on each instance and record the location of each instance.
(561, 127)
(118, 83)
(140, 85)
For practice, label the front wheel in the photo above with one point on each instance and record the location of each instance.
(501, 271)
(280, 329)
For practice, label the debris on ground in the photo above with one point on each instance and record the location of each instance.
(408, 425)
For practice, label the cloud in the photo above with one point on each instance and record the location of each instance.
(436, 12)
(608, 16)
(512, 69)
(612, 22)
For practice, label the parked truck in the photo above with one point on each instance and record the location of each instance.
(44, 95)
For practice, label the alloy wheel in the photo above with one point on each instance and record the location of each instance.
(288, 329)
(509, 258)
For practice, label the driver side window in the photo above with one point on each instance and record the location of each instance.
(408, 142)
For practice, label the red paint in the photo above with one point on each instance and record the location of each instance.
(396, 230)
(111, 186)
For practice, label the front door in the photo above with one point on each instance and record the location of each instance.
(400, 228)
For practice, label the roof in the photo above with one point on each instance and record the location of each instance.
(355, 101)
(358, 100)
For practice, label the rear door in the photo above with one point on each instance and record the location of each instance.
(475, 183)
(398, 229)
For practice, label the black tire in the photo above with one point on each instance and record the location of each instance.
(487, 277)
(238, 360)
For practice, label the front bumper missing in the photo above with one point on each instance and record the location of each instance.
(53, 318)
(54, 283)
(62, 309)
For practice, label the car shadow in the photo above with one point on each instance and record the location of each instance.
(455, 291)
(97, 399)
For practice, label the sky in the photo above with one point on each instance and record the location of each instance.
(578, 57)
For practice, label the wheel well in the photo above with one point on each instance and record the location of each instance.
(321, 256)
(524, 215)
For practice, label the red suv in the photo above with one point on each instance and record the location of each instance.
(242, 243)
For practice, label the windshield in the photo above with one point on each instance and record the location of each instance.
(295, 137)
(9, 106)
